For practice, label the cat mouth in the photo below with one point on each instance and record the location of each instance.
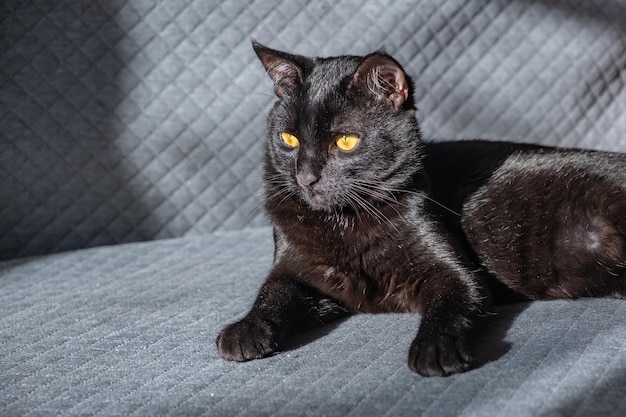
(317, 201)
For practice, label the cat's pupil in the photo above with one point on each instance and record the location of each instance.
(347, 143)
(289, 139)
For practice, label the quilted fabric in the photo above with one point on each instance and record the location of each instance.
(134, 120)
(129, 330)
(128, 120)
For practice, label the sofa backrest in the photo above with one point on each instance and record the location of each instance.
(134, 120)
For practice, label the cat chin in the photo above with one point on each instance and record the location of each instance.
(316, 202)
(319, 205)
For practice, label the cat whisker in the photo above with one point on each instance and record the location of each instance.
(426, 196)
(607, 269)
(380, 197)
(355, 208)
(442, 205)
(262, 94)
(357, 202)
(287, 195)
(378, 191)
(371, 210)
(281, 187)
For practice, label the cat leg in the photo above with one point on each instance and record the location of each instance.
(442, 346)
(283, 306)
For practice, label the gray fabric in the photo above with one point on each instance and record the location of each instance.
(133, 120)
(129, 330)
(136, 120)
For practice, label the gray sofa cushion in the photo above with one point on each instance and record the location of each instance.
(130, 329)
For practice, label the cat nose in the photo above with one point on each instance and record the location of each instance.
(306, 179)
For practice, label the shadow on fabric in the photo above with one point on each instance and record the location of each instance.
(65, 181)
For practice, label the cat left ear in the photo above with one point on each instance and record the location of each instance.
(281, 67)
(380, 76)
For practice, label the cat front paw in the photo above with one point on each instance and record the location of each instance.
(247, 339)
(441, 355)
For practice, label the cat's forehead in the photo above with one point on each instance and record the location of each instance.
(328, 73)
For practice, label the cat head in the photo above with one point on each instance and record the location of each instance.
(343, 132)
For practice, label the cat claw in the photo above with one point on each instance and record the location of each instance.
(443, 356)
(246, 340)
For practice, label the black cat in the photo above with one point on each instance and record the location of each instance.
(368, 218)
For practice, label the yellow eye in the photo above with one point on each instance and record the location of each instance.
(347, 142)
(290, 140)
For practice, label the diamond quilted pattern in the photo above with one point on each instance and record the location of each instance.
(134, 120)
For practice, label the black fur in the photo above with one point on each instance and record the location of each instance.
(400, 225)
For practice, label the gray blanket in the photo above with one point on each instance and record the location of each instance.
(130, 329)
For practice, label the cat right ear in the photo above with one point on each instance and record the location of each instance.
(382, 78)
(281, 67)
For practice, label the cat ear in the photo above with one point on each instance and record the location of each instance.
(281, 67)
(380, 76)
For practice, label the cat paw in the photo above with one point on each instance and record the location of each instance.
(442, 355)
(246, 340)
